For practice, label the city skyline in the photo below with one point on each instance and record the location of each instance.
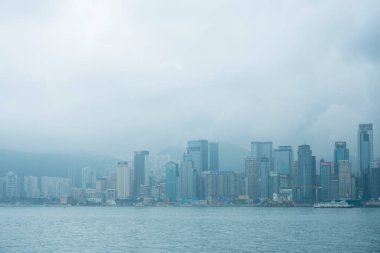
(114, 77)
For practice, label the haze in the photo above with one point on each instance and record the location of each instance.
(111, 77)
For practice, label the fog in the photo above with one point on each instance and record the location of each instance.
(111, 77)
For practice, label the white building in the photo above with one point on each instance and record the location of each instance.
(345, 189)
(12, 185)
(31, 189)
(124, 181)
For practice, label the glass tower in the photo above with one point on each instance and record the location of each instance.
(365, 156)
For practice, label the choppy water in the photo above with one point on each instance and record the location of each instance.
(187, 229)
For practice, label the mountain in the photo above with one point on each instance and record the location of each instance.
(59, 165)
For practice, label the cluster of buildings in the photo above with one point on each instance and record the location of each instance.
(271, 175)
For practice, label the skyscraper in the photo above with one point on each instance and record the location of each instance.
(365, 156)
(172, 181)
(199, 153)
(12, 185)
(214, 156)
(341, 152)
(264, 178)
(251, 177)
(31, 189)
(88, 177)
(375, 180)
(262, 149)
(325, 173)
(124, 181)
(306, 174)
(141, 172)
(187, 177)
(345, 189)
(283, 161)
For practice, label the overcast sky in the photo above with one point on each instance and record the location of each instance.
(111, 77)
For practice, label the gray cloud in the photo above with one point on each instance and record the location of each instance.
(111, 77)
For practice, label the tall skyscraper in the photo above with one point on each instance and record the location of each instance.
(141, 172)
(341, 152)
(172, 181)
(345, 189)
(264, 178)
(306, 174)
(375, 180)
(88, 178)
(365, 156)
(199, 153)
(12, 185)
(251, 180)
(325, 173)
(283, 161)
(124, 181)
(187, 177)
(262, 149)
(31, 189)
(214, 156)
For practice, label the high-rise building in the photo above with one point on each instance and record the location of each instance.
(283, 161)
(124, 181)
(214, 156)
(172, 181)
(262, 149)
(365, 156)
(55, 187)
(264, 178)
(2, 187)
(375, 180)
(88, 178)
(12, 185)
(341, 152)
(251, 178)
(325, 174)
(199, 153)
(187, 178)
(306, 174)
(345, 189)
(141, 172)
(31, 189)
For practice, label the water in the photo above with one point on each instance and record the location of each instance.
(188, 229)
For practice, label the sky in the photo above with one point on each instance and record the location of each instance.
(111, 77)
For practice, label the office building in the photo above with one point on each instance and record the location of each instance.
(213, 156)
(325, 175)
(124, 181)
(251, 179)
(12, 185)
(141, 173)
(341, 152)
(172, 181)
(365, 156)
(306, 175)
(88, 178)
(31, 189)
(345, 190)
(283, 161)
(187, 178)
(199, 153)
(262, 149)
(375, 180)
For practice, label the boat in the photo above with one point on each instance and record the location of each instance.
(333, 204)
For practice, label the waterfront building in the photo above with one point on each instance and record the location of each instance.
(2, 188)
(172, 181)
(187, 178)
(141, 173)
(31, 189)
(325, 177)
(101, 184)
(264, 178)
(124, 181)
(12, 185)
(306, 175)
(375, 180)
(213, 156)
(55, 187)
(365, 156)
(251, 179)
(261, 149)
(341, 152)
(283, 160)
(345, 190)
(199, 153)
(88, 177)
